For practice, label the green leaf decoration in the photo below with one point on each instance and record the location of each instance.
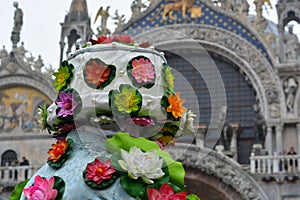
(59, 185)
(124, 141)
(98, 81)
(131, 186)
(129, 69)
(61, 161)
(168, 77)
(192, 197)
(17, 192)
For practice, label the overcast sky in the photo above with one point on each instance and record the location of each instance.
(41, 28)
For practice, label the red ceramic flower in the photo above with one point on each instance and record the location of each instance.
(123, 38)
(65, 128)
(42, 189)
(58, 150)
(101, 40)
(99, 171)
(96, 72)
(141, 121)
(165, 193)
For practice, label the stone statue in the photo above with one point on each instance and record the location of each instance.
(18, 18)
(291, 45)
(120, 20)
(136, 8)
(226, 136)
(18, 22)
(103, 30)
(38, 64)
(3, 53)
(21, 51)
(260, 127)
(290, 87)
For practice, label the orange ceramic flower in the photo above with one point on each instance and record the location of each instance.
(175, 105)
(96, 72)
(58, 150)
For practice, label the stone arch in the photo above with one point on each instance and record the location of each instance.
(25, 81)
(258, 69)
(284, 19)
(233, 181)
(8, 157)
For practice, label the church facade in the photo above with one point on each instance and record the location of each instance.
(239, 73)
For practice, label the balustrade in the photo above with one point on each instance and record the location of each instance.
(12, 175)
(274, 164)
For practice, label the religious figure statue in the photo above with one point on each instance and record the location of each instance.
(18, 22)
(260, 127)
(18, 18)
(103, 30)
(290, 87)
(38, 64)
(226, 136)
(21, 51)
(136, 8)
(120, 20)
(291, 45)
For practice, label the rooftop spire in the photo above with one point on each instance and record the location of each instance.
(78, 11)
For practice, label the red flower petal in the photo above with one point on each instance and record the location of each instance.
(153, 194)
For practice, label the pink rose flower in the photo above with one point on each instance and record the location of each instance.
(165, 193)
(42, 189)
(99, 171)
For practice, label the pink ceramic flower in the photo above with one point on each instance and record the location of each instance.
(42, 189)
(99, 171)
(165, 193)
(66, 103)
(141, 121)
(142, 70)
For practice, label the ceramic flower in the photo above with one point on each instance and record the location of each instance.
(42, 189)
(99, 171)
(96, 72)
(190, 120)
(101, 40)
(175, 105)
(61, 76)
(142, 70)
(126, 39)
(146, 165)
(165, 193)
(166, 139)
(141, 121)
(169, 77)
(58, 150)
(42, 117)
(64, 128)
(128, 100)
(66, 103)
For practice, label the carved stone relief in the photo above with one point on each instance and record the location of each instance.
(218, 165)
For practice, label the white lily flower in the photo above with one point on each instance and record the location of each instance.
(139, 164)
(190, 120)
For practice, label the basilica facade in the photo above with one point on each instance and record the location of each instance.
(238, 72)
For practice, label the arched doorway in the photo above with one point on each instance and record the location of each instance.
(8, 157)
(240, 96)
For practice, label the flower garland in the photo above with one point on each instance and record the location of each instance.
(124, 39)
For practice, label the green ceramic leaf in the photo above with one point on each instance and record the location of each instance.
(59, 185)
(17, 192)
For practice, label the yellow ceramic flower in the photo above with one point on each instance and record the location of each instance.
(175, 105)
(127, 100)
(61, 77)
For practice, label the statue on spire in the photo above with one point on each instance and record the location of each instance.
(18, 22)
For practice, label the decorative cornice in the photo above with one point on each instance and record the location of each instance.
(220, 166)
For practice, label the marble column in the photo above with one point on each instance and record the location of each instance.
(233, 144)
(279, 141)
(269, 141)
(298, 140)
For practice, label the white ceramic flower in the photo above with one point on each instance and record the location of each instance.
(139, 164)
(190, 120)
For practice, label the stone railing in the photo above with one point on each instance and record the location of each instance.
(12, 175)
(274, 164)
